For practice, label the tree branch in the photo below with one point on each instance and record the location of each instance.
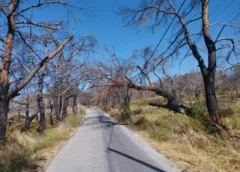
(146, 75)
(41, 4)
(14, 92)
(48, 26)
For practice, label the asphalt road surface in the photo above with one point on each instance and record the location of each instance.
(102, 145)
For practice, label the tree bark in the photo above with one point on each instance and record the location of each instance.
(211, 98)
(173, 104)
(27, 123)
(4, 80)
(74, 105)
(4, 102)
(231, 94)
(237, 92)
(51, 109)
(40, 103)
(58, 106)
(5, 96)
(29, 120)
(65, 106)
(19, 115)
(197, 93)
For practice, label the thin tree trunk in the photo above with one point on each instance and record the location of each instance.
(40, 103)
(197, 92)
(231, 94)
(65, 106)
(29, 120)
(237, 92)
(27, 123)
(51, 109)
(37, 118)
(4, 102)
(58, 106)
(74, 105)
(19, 115)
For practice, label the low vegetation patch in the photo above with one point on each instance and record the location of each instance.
(32, 151)
(192, 141)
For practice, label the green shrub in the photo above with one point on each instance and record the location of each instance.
(138, 111)
(226, 112)
(196, 111)
(142, 102)
(74, 122)
(14, 158)
(143, 124)
(161, 134)
(125, 116)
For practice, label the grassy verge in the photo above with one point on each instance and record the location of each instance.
(191, 142)
(31, 151)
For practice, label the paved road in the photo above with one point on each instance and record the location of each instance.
(101, 145)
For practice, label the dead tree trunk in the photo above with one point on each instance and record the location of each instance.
(74, 105)
(40, 103)
(29, 120)
(197, 92)
(237, 92)
(5, 95)
(58, 106)
(27, 110)
(211, 99)
(51, 109)
(19, 115)
(65, 106)
(4, 73)
(172, 104)
(4, 102)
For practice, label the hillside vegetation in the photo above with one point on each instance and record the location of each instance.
(33, 151)
(191, 142)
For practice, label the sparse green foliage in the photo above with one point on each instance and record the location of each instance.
(143, 124)
(161, 134)
(226, 112)
(14, 158)
(196, 111)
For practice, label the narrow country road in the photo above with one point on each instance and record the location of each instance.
(101, 145)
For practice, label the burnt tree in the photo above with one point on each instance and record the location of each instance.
(182, 15)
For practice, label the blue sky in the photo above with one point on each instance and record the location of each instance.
(108, 27)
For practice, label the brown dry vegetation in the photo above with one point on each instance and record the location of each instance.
(193, 143)
(32, 151)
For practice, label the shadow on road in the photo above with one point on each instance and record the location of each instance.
(100, 122)
(105, 122)
(136, 160)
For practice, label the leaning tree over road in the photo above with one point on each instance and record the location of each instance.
(117, 72)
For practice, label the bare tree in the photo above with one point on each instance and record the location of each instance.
(181, 16)
(15, 22)
(125, 73)
(68, 73)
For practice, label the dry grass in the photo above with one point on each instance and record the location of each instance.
(191, 143)
(32, 151)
